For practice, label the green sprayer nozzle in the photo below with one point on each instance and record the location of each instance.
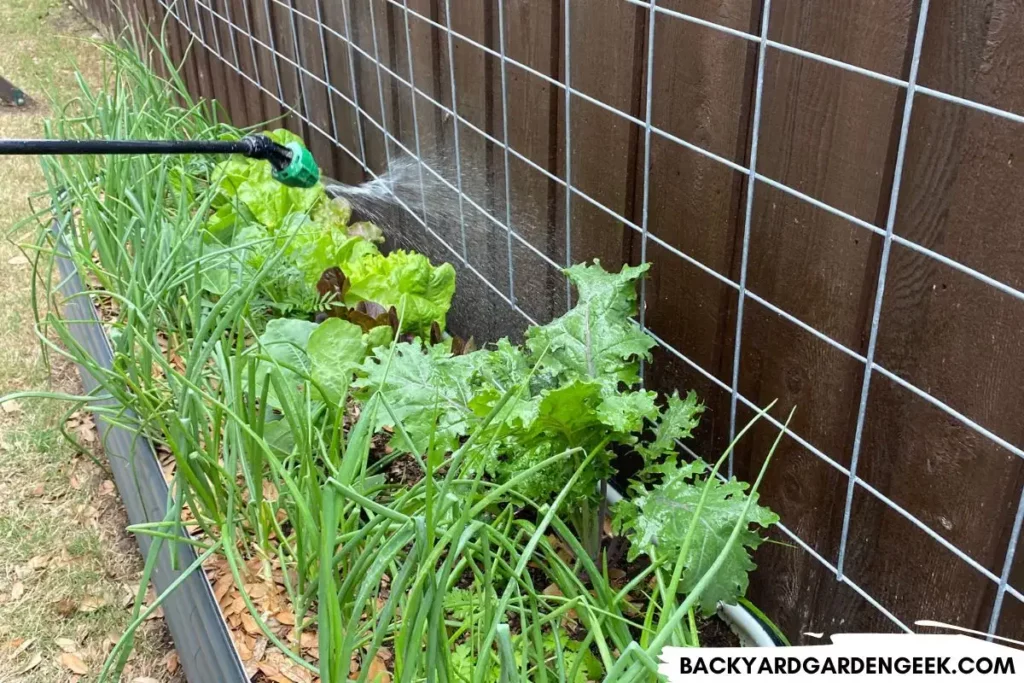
(301, 171)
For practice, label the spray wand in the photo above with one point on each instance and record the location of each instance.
(291, 164)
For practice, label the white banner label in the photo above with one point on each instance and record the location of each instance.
(853, 658)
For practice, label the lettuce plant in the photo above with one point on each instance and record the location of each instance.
(307, 233)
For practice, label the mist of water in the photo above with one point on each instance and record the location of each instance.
(408, 185)
(425, 190)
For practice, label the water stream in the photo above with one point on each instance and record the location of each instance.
(405, 182)
(406, 187)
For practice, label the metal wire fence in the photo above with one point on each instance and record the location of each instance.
(198, 16)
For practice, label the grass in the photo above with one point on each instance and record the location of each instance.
(64, 557)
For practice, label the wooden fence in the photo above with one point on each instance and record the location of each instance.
(928, 528)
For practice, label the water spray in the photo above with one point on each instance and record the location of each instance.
(293, 165)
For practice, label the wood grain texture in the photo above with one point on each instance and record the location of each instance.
(339, 67)
(607, 63)
(695, 203)
(951, 335)
(181, 47)
(318, 99)
(436, 129)
(236, 86)
(371, 82)
(226, 98)
(254, 97)
(478, 84)
(265, 70)
(848, 31)
(831, 134)
(200, 55)
(292, 84)
(532, 34)
(973, 50)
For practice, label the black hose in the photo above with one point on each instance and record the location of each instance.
(33, 147)
(253, 146)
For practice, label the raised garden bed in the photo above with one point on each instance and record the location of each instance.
(205, 648)
(376, 498)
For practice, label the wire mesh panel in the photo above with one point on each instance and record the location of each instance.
(828, 193)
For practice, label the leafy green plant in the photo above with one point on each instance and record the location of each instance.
(582, 368)
(658, 521)
(314, 234)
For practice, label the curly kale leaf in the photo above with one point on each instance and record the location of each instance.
(427, 389)
(567, 416)
(625, 411)
(677, 421)
(657, 521)
(596, 338)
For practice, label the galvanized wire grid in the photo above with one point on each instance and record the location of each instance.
(187, 13)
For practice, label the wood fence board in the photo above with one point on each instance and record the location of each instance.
(261, 21)
(236, 85)
(973, 50)
(288, 57)
(734, 14)
(367, 76)
(477, 84)
(172, 37)
(311, 55)
(608, 53)
(199, 55)
(350, 169)
(188, 68)
(831, 134)
(252, 96)
(531, 37)
(911, 573)
(871, 34)
(220, 93)
(695, 203)
(955, 337)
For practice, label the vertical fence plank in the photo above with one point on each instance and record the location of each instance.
(345, 99)
(371, 82)
(217, 69)
(245, 98)
(285, 57)
(187, 66)
(532, 33)
(477, 84)
(606, 63)
(695, 202)
(200, 55)
(167, 33)
(267, 68)
(820, 269)
(944, 331)
(232, 97)
(317, 98)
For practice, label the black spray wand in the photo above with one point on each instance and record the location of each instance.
(292, 164)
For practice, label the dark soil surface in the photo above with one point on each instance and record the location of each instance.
(716, 633)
